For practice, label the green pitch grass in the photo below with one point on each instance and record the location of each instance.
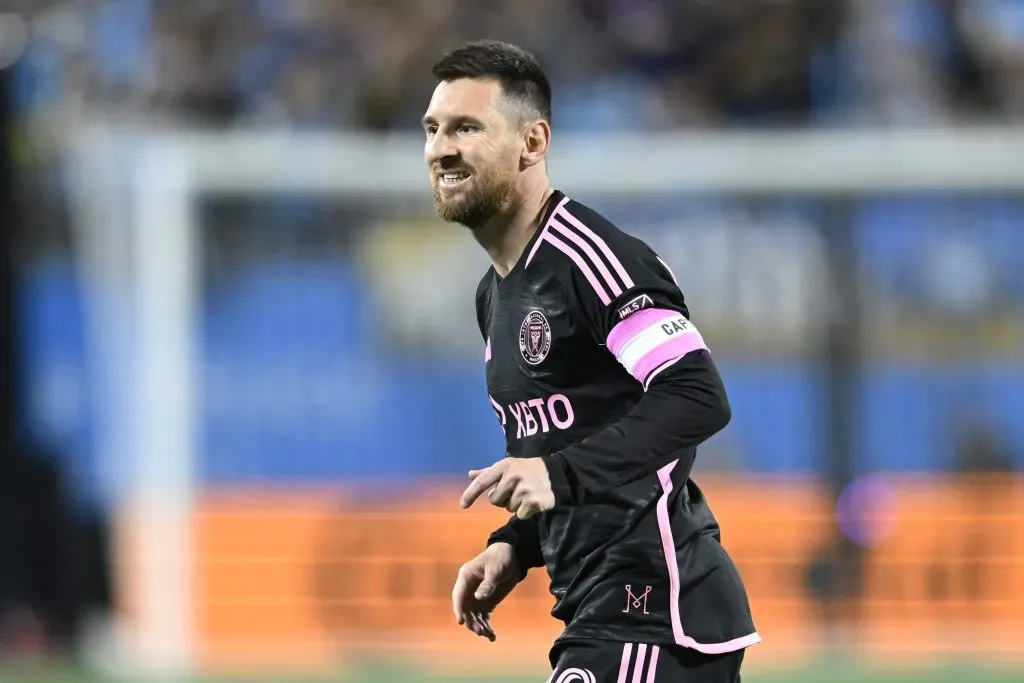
(840, 673)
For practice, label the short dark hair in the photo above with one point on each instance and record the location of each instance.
(517, 71)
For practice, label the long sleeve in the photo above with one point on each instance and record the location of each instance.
(524, 537)
(646, 326)
(683, 406)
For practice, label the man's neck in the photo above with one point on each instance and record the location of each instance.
(505, 236)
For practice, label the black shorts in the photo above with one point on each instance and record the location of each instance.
(600, 661)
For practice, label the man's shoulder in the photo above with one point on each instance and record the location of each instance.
(580, 244)
(576, 231)
(583, 216)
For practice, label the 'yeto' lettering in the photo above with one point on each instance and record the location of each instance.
(539, 415)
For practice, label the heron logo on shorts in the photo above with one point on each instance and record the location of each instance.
(577, 676)
(535, 338)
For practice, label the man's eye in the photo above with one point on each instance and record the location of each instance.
(467, 128)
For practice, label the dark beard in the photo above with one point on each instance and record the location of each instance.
(491, 195)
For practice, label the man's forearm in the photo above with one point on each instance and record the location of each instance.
(684, 406)
(524, 537)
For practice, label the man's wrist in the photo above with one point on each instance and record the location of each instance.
(519, 568)
(559, 478)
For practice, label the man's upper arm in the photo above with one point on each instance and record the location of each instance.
(628, 300)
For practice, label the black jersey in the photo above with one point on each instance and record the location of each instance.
(593, 364)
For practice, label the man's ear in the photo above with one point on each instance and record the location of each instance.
(537, 139)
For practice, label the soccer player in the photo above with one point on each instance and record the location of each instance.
(604, 389)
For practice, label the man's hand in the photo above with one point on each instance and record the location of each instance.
(520, 485)
(484, 582)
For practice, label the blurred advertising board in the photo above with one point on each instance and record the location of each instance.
(307, 578)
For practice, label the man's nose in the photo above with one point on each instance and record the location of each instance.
(441, 147)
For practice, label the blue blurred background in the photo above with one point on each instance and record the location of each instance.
(923, 261)
(334, 338)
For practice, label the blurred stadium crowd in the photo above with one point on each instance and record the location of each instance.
(615, 64)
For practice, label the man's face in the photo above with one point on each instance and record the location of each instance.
(472, 151)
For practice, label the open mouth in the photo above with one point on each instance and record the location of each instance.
(453, 178)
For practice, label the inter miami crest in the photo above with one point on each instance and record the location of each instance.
(535, 338)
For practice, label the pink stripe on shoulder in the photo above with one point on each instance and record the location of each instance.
(589, 253)
(601, 244)
(634, 325)
(543, 232)
(582, 265)
(487, 350)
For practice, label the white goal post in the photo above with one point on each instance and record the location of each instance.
(134, 191)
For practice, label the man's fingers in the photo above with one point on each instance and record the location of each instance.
(490, 628)
(483, 481)
(460, 593)
(485, 590)
(516, 500)
(488, 584)
(503, 492)
(478, 624)
(526, 510)
(481, 625)
(485, 621)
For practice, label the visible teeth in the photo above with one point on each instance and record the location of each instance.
(454, 176)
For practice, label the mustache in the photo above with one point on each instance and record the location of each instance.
(440, 168)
